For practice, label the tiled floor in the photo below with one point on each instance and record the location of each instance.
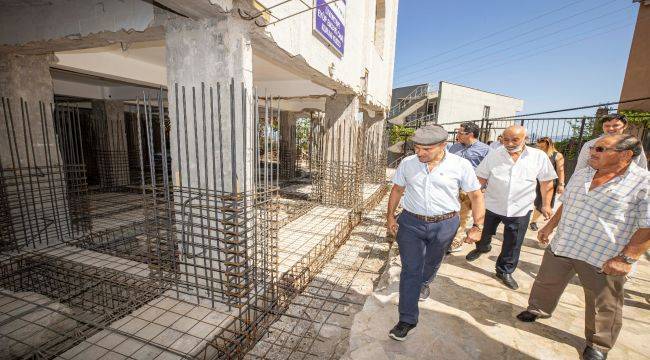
(165, 328)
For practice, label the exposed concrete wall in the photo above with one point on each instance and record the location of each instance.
(211, 52)
(637, 76)
(72, 19)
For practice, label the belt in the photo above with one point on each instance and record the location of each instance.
(435, 218)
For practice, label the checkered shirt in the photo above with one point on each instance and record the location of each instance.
(597, 224)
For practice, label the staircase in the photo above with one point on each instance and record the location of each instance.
(418, 94)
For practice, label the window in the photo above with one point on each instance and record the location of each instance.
(432, 108)
(486, 112)
(380, 22)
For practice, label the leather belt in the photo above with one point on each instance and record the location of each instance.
(433, 219)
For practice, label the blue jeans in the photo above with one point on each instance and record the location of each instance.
(422, 247)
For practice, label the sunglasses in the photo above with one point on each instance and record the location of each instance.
(600, 149)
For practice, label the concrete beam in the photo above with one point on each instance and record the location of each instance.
(112, 63)
(78, 24)
(198, 9)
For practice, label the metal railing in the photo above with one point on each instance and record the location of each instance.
(569, 134)
(417, 93)
(422, 121)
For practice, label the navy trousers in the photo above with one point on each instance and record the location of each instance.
(422, 247)
(514, 232)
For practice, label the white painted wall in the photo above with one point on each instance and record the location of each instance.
(458, 103)
(295, 36)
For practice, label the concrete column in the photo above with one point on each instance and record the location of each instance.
(27, 78)
(33, 189)
(111, 148)
(341, 128)
(339, 175)
(287, 144)
(204, 58)
(375, 147)
(209, 74)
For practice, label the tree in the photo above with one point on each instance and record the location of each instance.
(400, 133)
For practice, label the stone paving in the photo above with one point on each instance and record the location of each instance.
(471, 315)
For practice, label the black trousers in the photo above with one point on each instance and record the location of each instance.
(514, 233)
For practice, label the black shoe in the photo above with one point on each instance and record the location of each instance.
(527, 316)
(475, 254)
(533, 226)
(593, 354)
(400, 331)
(424, 292)
(508, 280)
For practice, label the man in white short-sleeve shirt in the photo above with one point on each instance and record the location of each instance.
(428, 184)
(510, 175)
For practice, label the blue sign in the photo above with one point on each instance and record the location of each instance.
(329, 23)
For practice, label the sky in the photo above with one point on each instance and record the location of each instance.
(553, 54)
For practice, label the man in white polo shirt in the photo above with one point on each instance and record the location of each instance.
(510, 174)
(429, 182)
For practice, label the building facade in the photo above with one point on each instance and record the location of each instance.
(450, 104)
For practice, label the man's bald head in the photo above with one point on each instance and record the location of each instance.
(514, 137)
(515, 130)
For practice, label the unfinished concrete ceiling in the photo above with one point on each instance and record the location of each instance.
(144, 63)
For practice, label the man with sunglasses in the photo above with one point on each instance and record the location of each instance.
(603, 228)
(468, 147)
(429, 182)
(510, 176)
(613, 124)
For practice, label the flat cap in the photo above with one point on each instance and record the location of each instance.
(429, 135)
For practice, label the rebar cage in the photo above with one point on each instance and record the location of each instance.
(111, 229)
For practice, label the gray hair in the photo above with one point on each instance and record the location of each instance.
(629, 142)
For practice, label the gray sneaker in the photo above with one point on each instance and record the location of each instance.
(424, 292)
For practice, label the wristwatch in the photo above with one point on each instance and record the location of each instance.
(480, 227)
(627, 259)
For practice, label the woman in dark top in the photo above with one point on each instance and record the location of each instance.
(546, 144)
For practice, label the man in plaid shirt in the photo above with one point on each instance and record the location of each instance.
(603, 228)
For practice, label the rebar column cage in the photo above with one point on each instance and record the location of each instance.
(375, 156)
(337, 175)
(42, 177)
(211, 230)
